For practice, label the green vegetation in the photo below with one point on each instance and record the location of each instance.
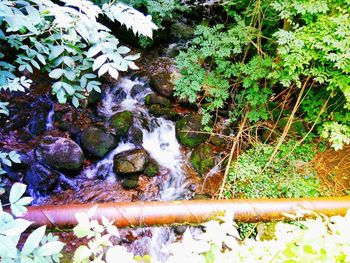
(67, 42)
(289, 174)
(298, 45)
(38, 247)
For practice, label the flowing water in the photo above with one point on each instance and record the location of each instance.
(159, 141)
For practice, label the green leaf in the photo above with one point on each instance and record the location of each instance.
(103, 69)
(75, 102)
(123, 50)
(33, 240)
(132, 57)
(55, 52)
(18, 210)
(14, 157)
(15, 227)
(41, 58)
(56, 73)
(7, 248)
(113, 72)
(16, 192)
(94, 50)
(99, 61)
(50, 248)
(81, 254)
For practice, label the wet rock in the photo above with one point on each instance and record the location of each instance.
(179, 230)
(297, 126)
(151, 168)
(94, 97)
(159, 111)
(202, 159)
(135, 135)
(70, 127)
(201, 197)
(162, 82)
(136, 89)
(60, 153)
(38, 121)
(13, 174)
(151, 99)
(39, 114)
(130, 162)
(187, 131)
(121, 122)
(130, 183)
(217, 141)
(40, 178)
(18, 121)
(120, 95)
(181, 30)
(97, 142)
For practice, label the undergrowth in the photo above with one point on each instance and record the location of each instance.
(288, 176)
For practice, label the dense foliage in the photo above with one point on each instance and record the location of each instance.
(37, 247)
(298, 45)
(67, 42)
(314, 240)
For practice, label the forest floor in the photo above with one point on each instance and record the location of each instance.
(333, 169)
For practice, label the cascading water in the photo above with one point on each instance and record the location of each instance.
(159, 141)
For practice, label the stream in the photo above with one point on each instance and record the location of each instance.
(59, 166)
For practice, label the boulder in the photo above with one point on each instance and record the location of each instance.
(202, 159)
(60, 153)
(160, 111)
(40, 178)
(97, 142)
(121, 122)
(130, 183)
(162, 82)
(135, 135)
(190, 123)
(137, 89)
(130, 162)
(70, 127)
(151, 99)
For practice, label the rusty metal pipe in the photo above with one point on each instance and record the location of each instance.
(153, 213)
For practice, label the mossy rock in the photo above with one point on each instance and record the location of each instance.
(121, 122)
(160, 111)
(218, 141)
(152, 99)
(151, 169)
(187, 130)
(297, 127)
(202, 159)
(201, 197)
(130, 183)
(97, 142)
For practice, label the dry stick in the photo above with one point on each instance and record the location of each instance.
(279, 116)
(289, 123)
(239, 134)
(311, 129)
